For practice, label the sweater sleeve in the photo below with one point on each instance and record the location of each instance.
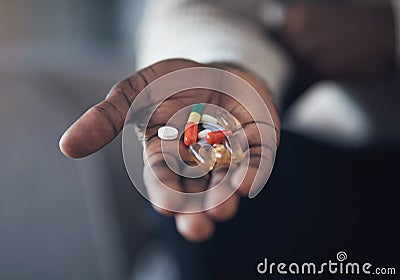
(212, 31)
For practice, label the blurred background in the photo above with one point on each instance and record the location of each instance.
(83, 219)
(61, 218)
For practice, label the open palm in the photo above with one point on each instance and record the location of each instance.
(104, 121)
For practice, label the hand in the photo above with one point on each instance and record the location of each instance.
(342, 39)
(103, 122)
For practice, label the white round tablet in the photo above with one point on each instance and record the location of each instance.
(203, 133)
(167, 133)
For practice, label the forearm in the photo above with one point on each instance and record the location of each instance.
(207, 32)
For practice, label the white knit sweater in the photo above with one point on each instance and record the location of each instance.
(215, 31)
(211, 31)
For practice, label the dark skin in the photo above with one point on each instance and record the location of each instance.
(340, 40)
(104, 121)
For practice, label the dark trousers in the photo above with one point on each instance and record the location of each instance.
(319, 200)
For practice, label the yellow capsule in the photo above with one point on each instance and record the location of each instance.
(222, 155)
(234, 148)
(227, 120)
(194, 117)
(203, 155)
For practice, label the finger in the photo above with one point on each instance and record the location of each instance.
(163, 158)
(254, 170)
(194, 227)
(103, 122)
(189, 184)
(225, 210)
(262, 135)
(159, 180)
(158, 154)
(246, 118)
(222, 201)
(195, 185)
(250, 179)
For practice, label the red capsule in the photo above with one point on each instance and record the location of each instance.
(216, 137)
(191, 131)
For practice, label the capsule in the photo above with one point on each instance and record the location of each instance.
(202, 141)
(191, 131)
(192, 124)
(203, 154)
(212, 127)
(234, 148)
(216, 137)
(202, 134)
(205, 118)
(222, 155)
(227, 120)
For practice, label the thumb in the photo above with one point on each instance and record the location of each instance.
(103, 122)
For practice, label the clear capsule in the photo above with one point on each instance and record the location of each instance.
(234, 148)
(205, 118)
(212, 127)
(202, 142)
(227, 120)
(222, 155)
(203, 155)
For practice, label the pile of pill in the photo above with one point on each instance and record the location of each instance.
(210, 139)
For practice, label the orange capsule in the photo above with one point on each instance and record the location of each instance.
(191, 127)
(216, 137)
(191, 131)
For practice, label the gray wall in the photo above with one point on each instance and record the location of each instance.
(61, 218)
